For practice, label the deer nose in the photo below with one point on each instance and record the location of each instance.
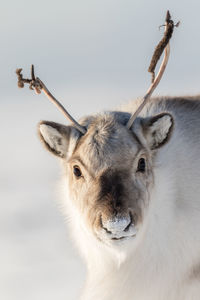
(117, 224)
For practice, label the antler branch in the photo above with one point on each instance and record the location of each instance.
(163, 45)
(36, 84)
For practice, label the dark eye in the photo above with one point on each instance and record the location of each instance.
(141, 165)
(77, 171)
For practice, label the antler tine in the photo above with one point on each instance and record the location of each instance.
(151, 88)
(38, 86)
(164, 44)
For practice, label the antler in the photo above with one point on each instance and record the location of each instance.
(37, 85)
(164, 44)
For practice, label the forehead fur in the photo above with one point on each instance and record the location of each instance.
(107, 140)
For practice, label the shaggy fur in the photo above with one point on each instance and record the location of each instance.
(137, 228)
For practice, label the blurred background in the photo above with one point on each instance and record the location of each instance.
(93, 55)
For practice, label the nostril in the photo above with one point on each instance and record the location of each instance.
(101, 223)
(131, 221)
(108, 231)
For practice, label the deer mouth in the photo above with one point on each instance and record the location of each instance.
(111, 240)
(123, 238)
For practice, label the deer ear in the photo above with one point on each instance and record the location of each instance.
(157, 129)
(56, 137)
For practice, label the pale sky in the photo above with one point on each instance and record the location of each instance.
(98, 46)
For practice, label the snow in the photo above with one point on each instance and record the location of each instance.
(37, 257)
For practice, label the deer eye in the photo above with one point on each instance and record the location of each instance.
(141, 165)
(77, 171)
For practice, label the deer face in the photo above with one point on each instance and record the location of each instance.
(109, 170)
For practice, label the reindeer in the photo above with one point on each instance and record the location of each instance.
(131, 189)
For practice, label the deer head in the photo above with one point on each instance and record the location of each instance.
(109, 169)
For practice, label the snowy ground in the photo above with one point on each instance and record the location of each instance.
(37, 257)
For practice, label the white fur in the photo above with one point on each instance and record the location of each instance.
(156, 263)
(161, 128)
(51, 136)
(150, 268)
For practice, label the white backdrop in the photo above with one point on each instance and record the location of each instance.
(93, 55)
